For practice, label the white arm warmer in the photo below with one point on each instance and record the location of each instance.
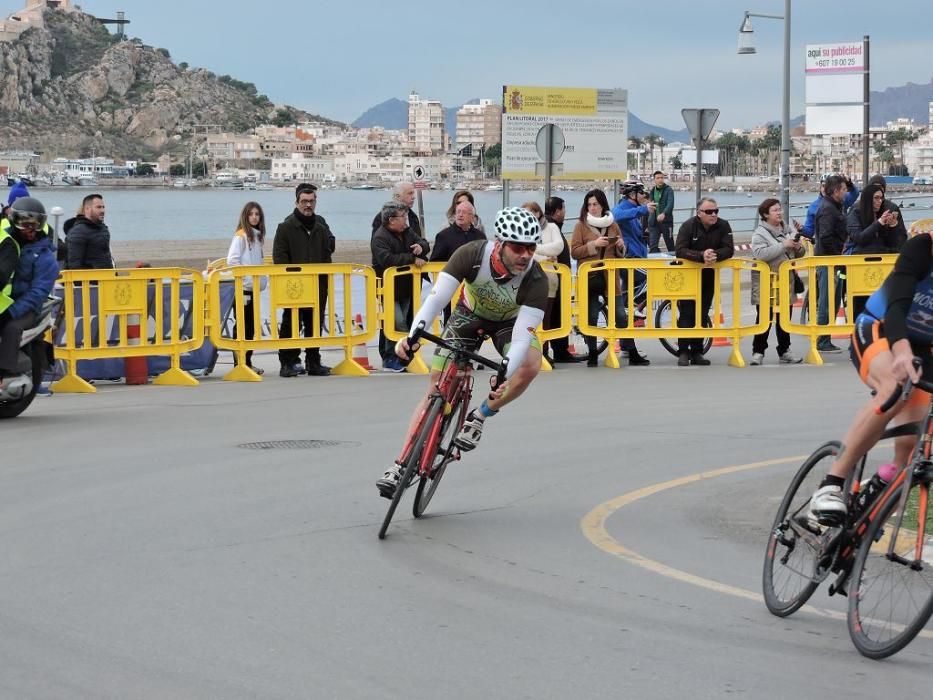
(525, 323)
(441, 294)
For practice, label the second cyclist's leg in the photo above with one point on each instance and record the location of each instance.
(829, 501)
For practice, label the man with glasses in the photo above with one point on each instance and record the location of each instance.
(707, 239)
(504, 297)
(303, 238)
(395, 243)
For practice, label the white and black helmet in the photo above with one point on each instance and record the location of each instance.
(518, 226)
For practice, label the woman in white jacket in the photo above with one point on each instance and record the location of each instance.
(773, 242)
(246, 249)
(552, 243)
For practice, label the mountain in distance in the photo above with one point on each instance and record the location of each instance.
(911, 100)
(393, 114)
(71, 88)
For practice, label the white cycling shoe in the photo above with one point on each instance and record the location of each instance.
(471, 432)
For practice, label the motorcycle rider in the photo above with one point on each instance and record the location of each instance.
(25, 233)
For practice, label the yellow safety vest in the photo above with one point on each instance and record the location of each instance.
(6, 294)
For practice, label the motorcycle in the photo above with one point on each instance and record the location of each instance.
(35, 357)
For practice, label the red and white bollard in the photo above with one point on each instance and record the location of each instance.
(136, 369)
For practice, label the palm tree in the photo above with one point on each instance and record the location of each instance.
(652, 140)
(637, 144)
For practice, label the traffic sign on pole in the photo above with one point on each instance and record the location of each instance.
(700, 122)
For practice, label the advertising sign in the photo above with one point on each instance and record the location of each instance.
(594, 123)
(835, 88)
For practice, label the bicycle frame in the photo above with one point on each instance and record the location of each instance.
(454, 386)
(847, 541)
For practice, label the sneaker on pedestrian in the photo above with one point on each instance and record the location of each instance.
(828, 505)
(789, 358)
(471, 432)
(696, 358)
(393, 364)
(828, 348)
(683, 359)
(389, 481)
(757, 359)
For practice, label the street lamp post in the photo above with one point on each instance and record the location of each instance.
(746, 47)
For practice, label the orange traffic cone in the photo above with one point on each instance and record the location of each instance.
(721, 342)
(360, 353)
(840, 321)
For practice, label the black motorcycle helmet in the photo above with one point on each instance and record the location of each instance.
(25, 211)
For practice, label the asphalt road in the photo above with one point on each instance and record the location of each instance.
(147, 554)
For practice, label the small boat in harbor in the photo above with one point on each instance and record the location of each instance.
(87, 181)
(362, 187)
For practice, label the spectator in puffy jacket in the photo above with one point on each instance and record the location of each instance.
(88, 237)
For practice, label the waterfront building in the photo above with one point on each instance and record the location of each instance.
(18, 162)
(479, 125)
(85, 167)
(300, 167)
(427, 133)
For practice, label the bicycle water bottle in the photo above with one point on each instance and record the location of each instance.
(868, 493)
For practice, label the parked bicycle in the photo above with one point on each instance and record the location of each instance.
(430, 447)
(880, 553)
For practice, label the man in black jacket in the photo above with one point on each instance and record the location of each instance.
(704, 238)
(461, 231)
(829, 233)
(88, 237)
(304, 237)
(394, 244)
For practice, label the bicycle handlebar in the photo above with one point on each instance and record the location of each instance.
(499, 367)
(902, 391)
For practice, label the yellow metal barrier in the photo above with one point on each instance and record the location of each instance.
(863, 275)
(292, 288)
(566, 301)
(675, 280)
(387, 294)
(114, 301)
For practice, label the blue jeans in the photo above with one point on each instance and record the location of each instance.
(822, 300)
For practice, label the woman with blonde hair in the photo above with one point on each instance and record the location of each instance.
(246, 249)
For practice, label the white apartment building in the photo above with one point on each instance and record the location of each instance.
(234, 146)
(480, 125)
(302, 168)
(918, 157)
(427, 133)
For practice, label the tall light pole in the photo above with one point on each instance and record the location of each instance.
(746, 47)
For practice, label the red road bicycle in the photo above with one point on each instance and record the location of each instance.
(430, 447)
(882, 553)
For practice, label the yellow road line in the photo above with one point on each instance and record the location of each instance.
(593, 526)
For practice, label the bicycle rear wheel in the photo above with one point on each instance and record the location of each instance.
(792, 568)
(411, 462)
(663, 318)
(893, 594)
(445, 454)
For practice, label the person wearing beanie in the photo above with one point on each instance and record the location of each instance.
(18, 190)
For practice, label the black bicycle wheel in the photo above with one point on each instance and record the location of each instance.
(892, 596)
(663, 318)
(446, 453)
(411, 463)
(792, 568)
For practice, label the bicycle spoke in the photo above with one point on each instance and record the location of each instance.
(893, 596)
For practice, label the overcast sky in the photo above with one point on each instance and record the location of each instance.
(339, 58)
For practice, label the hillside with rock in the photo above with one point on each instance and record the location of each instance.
(72, 89)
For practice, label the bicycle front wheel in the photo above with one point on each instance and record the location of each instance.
(792, 569)
(445, 453)
(410, 468)
(892, 596)
(663, 318)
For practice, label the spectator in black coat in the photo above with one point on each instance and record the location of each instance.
(88, 237)
(395, 244)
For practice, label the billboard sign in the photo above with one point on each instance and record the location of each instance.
(594, 122)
